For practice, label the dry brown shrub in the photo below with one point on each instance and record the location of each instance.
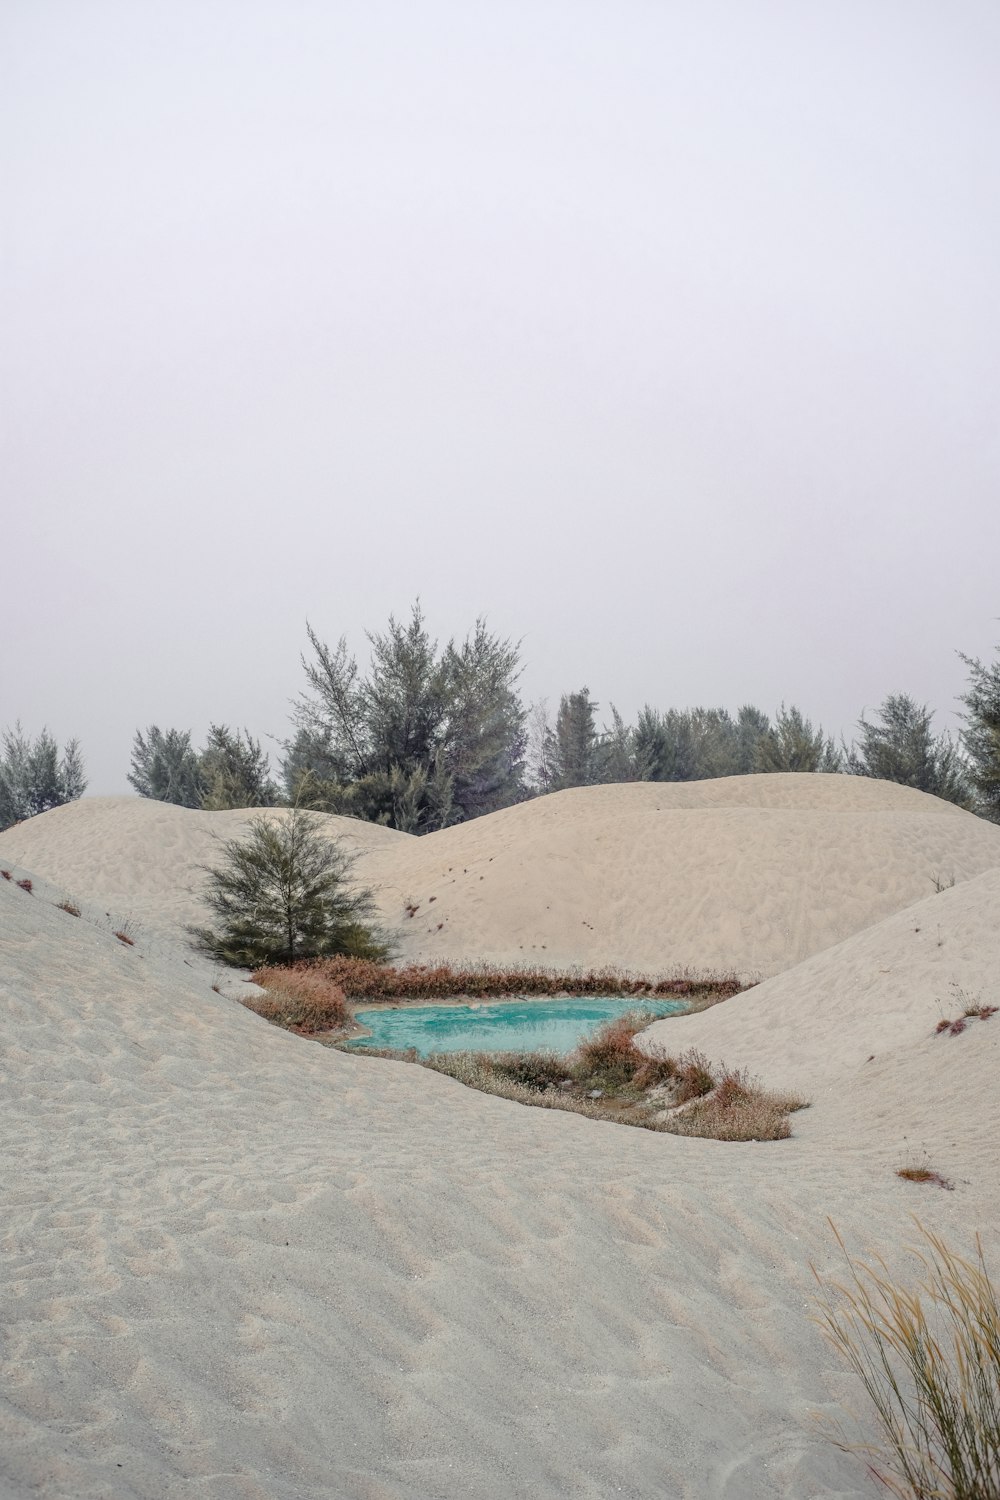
(300, 1000)
(653, 1069)
(924, 1175)
(694, 1076)
(363, 979)
(610, 1055)
(738, 1110)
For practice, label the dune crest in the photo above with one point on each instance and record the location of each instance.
(748, 874)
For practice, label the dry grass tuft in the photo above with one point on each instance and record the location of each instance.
(928, 1358)
(610, 1057)
(694, 1076)
(974, 1011)
(6, 875)
(24, 885)
(67, 906)
(924, 1174)
(301, 1000)
(737, 1109)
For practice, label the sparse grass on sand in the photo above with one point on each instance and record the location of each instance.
(928, 1358)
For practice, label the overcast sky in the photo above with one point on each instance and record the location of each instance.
(665, 335)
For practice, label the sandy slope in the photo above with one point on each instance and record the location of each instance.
(235, 1264)
(146, 860)
(855, 1028)
(747, 873)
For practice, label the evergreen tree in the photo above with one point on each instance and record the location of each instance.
(793, 745)
(234, 771)
(571, 753)
(284, 893)
(695, 744)
(752, 727)
(166, 767)
(426, 738)
(981, 735)
(652, 745)
(231, 771)
(34, 777)
(618, 756)
(902, 748)
(485, 736)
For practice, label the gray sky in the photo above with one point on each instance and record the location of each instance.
(667, 335)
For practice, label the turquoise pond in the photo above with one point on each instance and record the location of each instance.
(499, 1025)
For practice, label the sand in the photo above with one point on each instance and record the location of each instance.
(748, 874)
(236, 1264)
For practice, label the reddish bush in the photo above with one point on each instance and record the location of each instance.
(300, 1000)
(694, 1076)
(363, 979)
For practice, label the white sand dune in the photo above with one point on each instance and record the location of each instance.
(748, 874)
(146, 860)
(855, 1028)
(236, 1264)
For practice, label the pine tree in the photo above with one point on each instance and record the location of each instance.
(981, 735)
(901, 748)
(166, 767)
(231, 771)
(571, 753)
(284, 893)
(234, 771)
(793, 745)
(34, 777)
(425, 738)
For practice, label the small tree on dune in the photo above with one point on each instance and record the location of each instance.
(284, 893)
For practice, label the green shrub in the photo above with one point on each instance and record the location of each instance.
(284, 893)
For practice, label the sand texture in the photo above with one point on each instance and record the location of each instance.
(235, 1265)
(747, 874)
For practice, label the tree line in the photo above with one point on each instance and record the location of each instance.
(424, 736)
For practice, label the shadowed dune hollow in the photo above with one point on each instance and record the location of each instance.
(236, 1264)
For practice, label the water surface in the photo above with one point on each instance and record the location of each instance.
(500, 1025)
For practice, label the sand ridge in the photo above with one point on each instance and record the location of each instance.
(748, 874)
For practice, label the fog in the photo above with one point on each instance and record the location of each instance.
(666, 336)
